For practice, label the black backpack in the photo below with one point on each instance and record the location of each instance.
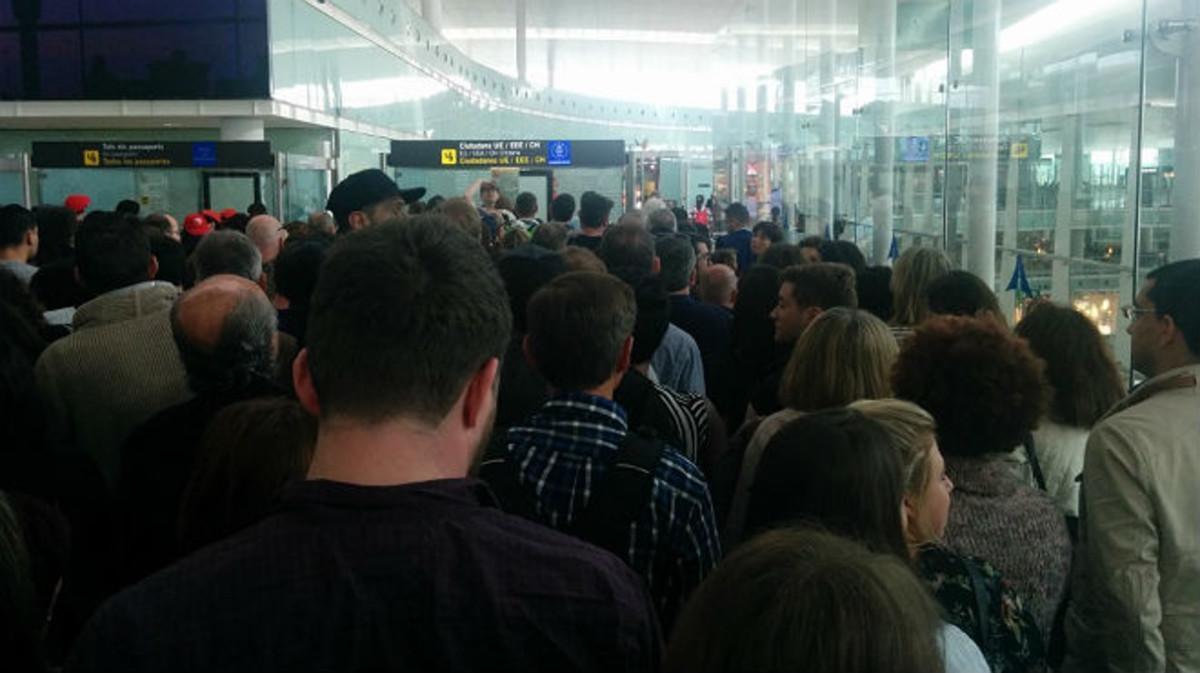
(616, 502)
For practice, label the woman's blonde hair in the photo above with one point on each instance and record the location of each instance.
(844, 355)
(912, 430)
(914, 271)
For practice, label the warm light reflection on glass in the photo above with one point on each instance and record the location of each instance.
(1100, 308)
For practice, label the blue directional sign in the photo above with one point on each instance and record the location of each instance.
(204, 155)
(558, 153)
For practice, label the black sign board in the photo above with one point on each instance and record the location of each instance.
(467, 154)
(150, 154)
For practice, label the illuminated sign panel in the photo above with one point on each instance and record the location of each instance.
(149, 154)
(457, 154)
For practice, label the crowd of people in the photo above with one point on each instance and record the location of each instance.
(443, 434)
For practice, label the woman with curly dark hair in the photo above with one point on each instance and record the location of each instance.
(1086, 385)
(984, 387)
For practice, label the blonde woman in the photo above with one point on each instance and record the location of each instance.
(1006, 632)
(912, 275)
(844, 355)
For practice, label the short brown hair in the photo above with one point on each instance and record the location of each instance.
(1079, 365)
(250, 451)
(582, 259)
(783, 255)
(844, 355)
(824, 285)
(578, 323)
(980, 382)
(392, 290)
(726, 256)
(463, 214)
(628, 250)
(798, 599)
(550, 235)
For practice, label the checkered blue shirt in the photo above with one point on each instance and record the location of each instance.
(565, 448)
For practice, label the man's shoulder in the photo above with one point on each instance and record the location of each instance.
(22, 270)
(552, 551)
(168, 430)
(266, 558)
(713, 316)
(582, 240)
(1163, 415)
(681, 477)
(139, 339)
(677, 339)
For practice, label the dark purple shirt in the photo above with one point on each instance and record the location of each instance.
(427, 576)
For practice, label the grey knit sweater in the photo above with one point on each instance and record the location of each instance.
(1018, 529)
(118, 369)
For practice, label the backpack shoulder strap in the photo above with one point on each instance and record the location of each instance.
(1035, 465)
(500, 473)
(622, 496)
(982, 605)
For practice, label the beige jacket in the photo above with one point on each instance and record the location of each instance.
(116, 370)
(1137, 596)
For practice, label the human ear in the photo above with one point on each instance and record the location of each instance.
(475, 407)
(306, 392)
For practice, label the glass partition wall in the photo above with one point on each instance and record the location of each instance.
(1056, 136)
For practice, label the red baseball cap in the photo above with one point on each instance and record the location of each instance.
(78, 203)
(196, 225)
(228, 213)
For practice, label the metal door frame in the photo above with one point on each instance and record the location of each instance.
(549, 175)
(205, 197)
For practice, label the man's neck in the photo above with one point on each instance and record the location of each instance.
(594, 232)
(608, 389)
(685, 292)
(17, 254)
(1168, 362)
(391, 453)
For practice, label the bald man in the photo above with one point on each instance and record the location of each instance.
(224, 328)
(268, 236)
(718, 286)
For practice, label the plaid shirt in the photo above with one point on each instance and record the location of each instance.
(565, 448)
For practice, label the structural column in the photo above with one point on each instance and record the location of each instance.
(1126, 284)
(1185, 231)
(827, 152)
(981, 191)
(521, 42)
(1072, 150)
(1011, 220)
(431, 10)
(881, 22)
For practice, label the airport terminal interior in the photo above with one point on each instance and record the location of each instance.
(1031, 155)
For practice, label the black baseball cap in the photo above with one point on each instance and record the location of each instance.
(363, 189)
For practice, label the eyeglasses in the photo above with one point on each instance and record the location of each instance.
(1131, 312)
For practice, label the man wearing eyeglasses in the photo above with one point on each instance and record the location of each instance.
(1137, 594)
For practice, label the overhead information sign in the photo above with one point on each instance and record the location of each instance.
(965, 147)
(460, 154)
(149, 154)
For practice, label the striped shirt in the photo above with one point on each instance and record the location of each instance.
(689, 415)
(565, 449)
